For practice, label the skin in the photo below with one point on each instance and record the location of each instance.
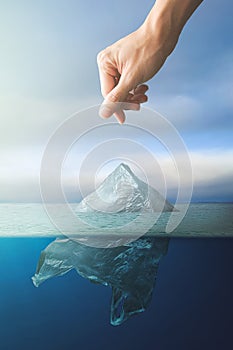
(126, 65)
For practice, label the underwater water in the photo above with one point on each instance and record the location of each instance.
(191, 307)
(154, 293)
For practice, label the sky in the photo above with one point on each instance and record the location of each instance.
(48, 71)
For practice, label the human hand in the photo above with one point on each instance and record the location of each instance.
(123, 68)
(133, 60)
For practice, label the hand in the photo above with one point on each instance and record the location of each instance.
(133, 60)
(123, 68)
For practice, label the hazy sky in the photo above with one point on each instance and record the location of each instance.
(48, 71)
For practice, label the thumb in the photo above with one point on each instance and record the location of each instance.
(120, 92)
(115, 97)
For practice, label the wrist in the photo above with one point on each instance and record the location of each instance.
(161, 33)
(166, 21)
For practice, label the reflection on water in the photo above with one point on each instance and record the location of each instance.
(130, 270)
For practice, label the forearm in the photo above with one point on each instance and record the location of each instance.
(166, 21)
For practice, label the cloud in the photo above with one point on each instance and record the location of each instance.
(213, 177)
(29, 122)
(49, 72)
(209, 104)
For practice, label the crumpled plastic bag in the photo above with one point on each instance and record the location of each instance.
(130, 270)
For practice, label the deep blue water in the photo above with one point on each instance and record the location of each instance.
(192, 306)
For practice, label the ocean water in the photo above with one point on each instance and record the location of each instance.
(191, 308)
(191, 305)
(201, 220)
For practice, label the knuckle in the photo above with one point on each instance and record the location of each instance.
(101, 58)
(114, 96)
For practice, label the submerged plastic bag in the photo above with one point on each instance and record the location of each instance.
(130, 270)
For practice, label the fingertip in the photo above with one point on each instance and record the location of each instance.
(141, 89)
(145, 86)
(120, 120)
(105, 112)
(120, 116)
